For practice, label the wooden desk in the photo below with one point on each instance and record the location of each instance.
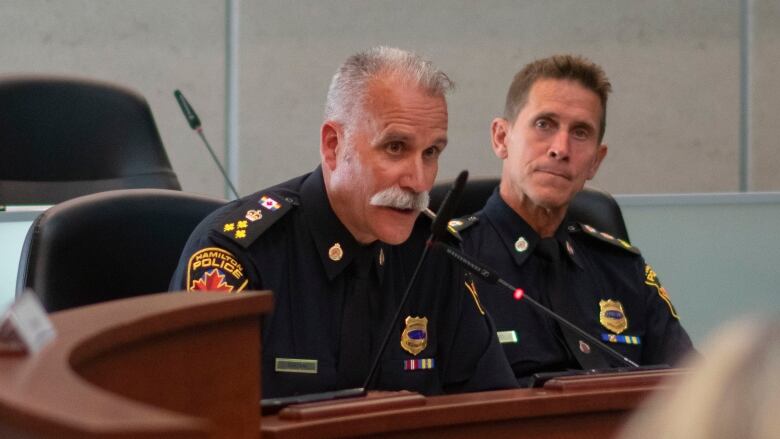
(187, 366)
(571, 407)
(167, 365)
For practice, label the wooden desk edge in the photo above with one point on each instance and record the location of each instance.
(477, 408)
(43, 394)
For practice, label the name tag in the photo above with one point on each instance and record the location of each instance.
(507, 337)
(295, 365)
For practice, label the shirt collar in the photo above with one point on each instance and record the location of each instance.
(517, 235)
(336, 246)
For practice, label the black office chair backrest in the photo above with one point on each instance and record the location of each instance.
(590, 206)
(108, 245)
(64, 137)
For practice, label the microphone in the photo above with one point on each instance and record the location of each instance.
(490, 276)
(194, 121)
(438, 231)
(186, 108)
(448, 206)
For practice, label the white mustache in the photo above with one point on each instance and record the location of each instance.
(398, 198)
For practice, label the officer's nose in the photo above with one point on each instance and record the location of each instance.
(415, 176)
(559, 147)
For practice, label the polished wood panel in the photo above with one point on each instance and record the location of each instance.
(591, 406)
(168, 365)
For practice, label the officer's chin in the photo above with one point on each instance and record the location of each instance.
(393, 226)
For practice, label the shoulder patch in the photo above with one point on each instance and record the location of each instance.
(215, 269)
(253, 217)
(606, 237)
(456, 225)
(652, 280)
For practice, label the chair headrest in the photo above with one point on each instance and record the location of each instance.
(591, 206)
(86, 134)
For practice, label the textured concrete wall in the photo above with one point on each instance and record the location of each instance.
(673, 121)
(150, 46)
(765, 96)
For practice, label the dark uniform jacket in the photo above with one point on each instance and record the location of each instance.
(288, 239)
(607, 289)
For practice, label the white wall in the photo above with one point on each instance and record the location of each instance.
(716, 254)
(673, 123)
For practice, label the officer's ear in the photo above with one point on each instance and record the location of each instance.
(331, 136)
(499, 130)
(601, 152)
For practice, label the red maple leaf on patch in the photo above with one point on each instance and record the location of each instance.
(212, 281)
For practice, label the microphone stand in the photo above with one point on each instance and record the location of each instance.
(438, 230)
(489, 276)
(194, 121)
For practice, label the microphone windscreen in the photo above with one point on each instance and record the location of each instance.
(186, 108)
(448, 207)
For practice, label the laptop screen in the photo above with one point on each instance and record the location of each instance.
(14, 225)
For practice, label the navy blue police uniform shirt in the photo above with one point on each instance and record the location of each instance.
(287, 239)
(608, 288)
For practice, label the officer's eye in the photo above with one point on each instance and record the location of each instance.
(394, 148)
(543, 124)
(581, 133)
(432, 152)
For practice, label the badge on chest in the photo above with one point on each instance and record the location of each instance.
(612, 316)
(414, 338)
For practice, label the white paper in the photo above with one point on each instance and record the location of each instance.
(24, 326)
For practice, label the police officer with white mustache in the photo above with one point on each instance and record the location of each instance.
(549, 141)
(338, 246)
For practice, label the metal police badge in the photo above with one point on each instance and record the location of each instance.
(215, 269)
(414, 339)
(612, 316)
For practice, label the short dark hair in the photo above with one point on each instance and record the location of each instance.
(574, 67)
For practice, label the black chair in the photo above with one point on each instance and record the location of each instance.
(64, 137)
(108, 245)
(590, 206)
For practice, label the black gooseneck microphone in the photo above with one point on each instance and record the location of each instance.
(195, 124)
(490, 276)
(439, 229)
(438, 232)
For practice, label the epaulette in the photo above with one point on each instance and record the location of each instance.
(455, 226)
(605, 237)
(460, 224)
(250, 219)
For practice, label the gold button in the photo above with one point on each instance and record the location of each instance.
(335, 253)
(521, 244)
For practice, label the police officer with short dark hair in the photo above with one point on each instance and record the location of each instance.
(550, 143)
(338, 247)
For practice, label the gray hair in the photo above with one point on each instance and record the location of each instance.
(347, 88)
